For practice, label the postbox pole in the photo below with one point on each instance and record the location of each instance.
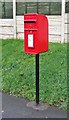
(37, 79)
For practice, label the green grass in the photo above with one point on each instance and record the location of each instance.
(18, 72)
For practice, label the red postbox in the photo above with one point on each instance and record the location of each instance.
(36, 40)
(35, 33)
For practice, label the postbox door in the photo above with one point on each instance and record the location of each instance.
(31, 37)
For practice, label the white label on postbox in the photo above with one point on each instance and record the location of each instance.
(30, 40)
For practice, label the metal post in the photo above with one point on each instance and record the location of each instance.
(37, 79)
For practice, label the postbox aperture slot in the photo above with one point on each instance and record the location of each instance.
(29, 21)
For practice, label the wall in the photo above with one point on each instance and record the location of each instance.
(6, 28)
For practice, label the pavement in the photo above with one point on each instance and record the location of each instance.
(13, 107)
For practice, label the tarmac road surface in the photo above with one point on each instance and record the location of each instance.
(13, 107)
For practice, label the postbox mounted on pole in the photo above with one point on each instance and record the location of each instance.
(36, 40)
(35, 33)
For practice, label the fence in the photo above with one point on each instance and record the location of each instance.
(7, 28)
(48, 8)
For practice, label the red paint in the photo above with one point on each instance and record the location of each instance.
(37, 26)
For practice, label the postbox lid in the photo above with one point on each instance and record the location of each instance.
(33, 16)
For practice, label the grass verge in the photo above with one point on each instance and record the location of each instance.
(18, 72)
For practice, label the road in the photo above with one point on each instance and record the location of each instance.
(13, 107)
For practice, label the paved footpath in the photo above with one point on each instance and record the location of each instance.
(13, 107)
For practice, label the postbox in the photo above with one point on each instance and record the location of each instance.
(35, 33)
